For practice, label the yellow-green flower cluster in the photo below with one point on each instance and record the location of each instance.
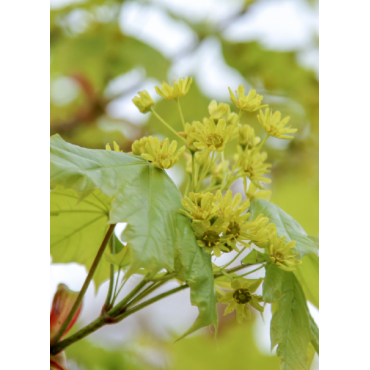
(281, 253)
(174, 90)
(220, 220)
(249, 103)
(199, 206)
(247, 137)
(190, 129)
(160, 154)
(144, 102)
(211, 136)
(138, 146)
(241, 298)
(225, 216)
(239, 230)
(218, 111)
(211, 235)
(222, 111)
(252, 164)
(274, 125)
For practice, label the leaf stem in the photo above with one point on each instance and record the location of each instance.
(88, 279)
(121, 305)
(107, 304)
(146, 292)
(115, 294)
(167, 125)
(149, 302)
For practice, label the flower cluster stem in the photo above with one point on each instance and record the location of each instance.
(167, 125)
(180, 111)
(263, 141)
(193, 171)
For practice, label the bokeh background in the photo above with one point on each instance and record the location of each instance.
(102, 54)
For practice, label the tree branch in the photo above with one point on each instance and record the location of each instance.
(116, 314)
(88, 279)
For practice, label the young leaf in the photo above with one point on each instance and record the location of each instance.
(77, 228)
(285, 226)
(272, 286)
(144, 197)
(120, 259)
(315, 334)
(307, 274)
(292, 327)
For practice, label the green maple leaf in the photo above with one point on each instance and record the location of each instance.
(285, 226)
(109, 187)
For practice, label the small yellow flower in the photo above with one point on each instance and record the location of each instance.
(239, 230)
(232, 119)
(189, 130)
(247, 137)
(259, 230)
(176, 89)
(274, 125)
(249, 103)
(211, 136)
(116, 147)
(199, 206)
(218, 111)
(242, 298)
(160, 154)
(144, 102)
(231, 209)
(138, 146)
(253, 165)
(282, 254)
(211, 236)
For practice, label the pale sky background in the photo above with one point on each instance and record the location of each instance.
(278, 25)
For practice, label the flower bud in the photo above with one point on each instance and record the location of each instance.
(144, 102)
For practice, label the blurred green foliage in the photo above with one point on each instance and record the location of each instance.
(86, 355)
(235, 347)
(89, 49)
